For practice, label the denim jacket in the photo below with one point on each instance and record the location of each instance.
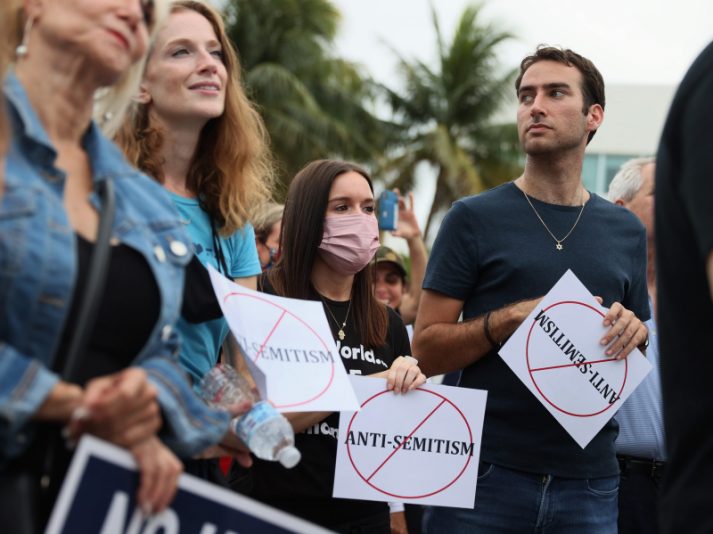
(38, 270)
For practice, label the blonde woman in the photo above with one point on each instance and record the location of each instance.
(195, 132)
(129, 386)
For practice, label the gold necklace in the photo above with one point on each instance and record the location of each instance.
(341, 333)
(558, 242)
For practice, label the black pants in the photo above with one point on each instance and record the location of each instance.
(639, 503)
(378, 524)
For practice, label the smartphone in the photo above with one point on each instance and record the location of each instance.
(388, 210)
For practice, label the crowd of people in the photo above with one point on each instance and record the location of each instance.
(131, 158)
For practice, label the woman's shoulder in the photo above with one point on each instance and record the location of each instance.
(394, 317)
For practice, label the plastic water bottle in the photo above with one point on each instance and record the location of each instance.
(267, 434)
(263, 429)
(223, 386)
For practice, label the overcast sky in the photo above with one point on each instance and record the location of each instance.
(630, 41)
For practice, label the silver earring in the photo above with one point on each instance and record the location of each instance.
(22, 50)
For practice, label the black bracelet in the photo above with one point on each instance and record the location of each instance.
(486, 329)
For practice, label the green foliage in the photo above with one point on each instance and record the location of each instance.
(314, 104)
(447, 115)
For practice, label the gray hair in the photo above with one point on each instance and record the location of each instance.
(265, 217)
(627, 182)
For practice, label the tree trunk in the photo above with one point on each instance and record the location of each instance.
(438, 199)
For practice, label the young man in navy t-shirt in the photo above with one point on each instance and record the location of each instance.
(495, 256)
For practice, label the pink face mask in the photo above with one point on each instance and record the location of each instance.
(349, 242)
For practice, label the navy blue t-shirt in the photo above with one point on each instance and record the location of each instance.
(492, 251)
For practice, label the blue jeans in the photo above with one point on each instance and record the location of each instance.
(519, 502)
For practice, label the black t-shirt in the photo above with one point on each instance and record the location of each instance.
(684, 240)
(492, 251)
(127, 313)
(306, 490)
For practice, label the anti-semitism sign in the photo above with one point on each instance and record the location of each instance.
(289, 340)
(557, 355)
(421, 447)
(98, 496)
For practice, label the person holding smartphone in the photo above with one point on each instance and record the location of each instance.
(392, 285)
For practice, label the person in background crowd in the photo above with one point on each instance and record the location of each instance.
(391, 284)
(684, 271)
(129, 387)
(640, 443)
(496, 254)
(329, 237)
(194, 130)
(393, 288)
(267, 221)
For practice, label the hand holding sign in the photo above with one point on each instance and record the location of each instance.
(404, 375)
(422, 447)
(290, 342)
(558, 354)
(626, 333)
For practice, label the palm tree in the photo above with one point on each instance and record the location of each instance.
(447, 114)
(314, 104)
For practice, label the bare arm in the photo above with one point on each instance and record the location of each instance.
(248, 281)
(61, 402)
(441, 344)
(303, 420)
(411, 232)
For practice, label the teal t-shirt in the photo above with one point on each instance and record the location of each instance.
(201, 342)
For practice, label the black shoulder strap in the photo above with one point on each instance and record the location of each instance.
(218, 249)
(96, 279)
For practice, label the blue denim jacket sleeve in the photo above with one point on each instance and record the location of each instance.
(38, 270)
(24, 385)
(190, 425)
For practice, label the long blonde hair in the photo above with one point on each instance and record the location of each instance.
(232, 170)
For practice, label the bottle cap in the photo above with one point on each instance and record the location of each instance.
(289, 457)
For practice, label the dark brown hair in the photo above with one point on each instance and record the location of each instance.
(592, 81)
(302, 229)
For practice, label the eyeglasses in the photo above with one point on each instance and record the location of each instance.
(147, 7)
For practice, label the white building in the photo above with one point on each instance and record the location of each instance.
(633, 121)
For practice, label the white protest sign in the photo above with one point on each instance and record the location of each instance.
(421, 447)
(290, 341)
(557, 355)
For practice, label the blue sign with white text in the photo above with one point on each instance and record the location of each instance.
(98, 496)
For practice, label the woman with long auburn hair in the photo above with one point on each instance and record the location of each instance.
(329, 237)
(193, 129)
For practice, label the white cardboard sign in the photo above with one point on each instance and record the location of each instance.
(557, 355)
(422, 447)
(290, 341)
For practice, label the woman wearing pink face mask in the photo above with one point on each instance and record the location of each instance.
(329, 237)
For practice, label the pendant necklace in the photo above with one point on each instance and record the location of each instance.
(340, 334)
(558, 242)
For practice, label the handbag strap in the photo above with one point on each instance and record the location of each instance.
(98, 267)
